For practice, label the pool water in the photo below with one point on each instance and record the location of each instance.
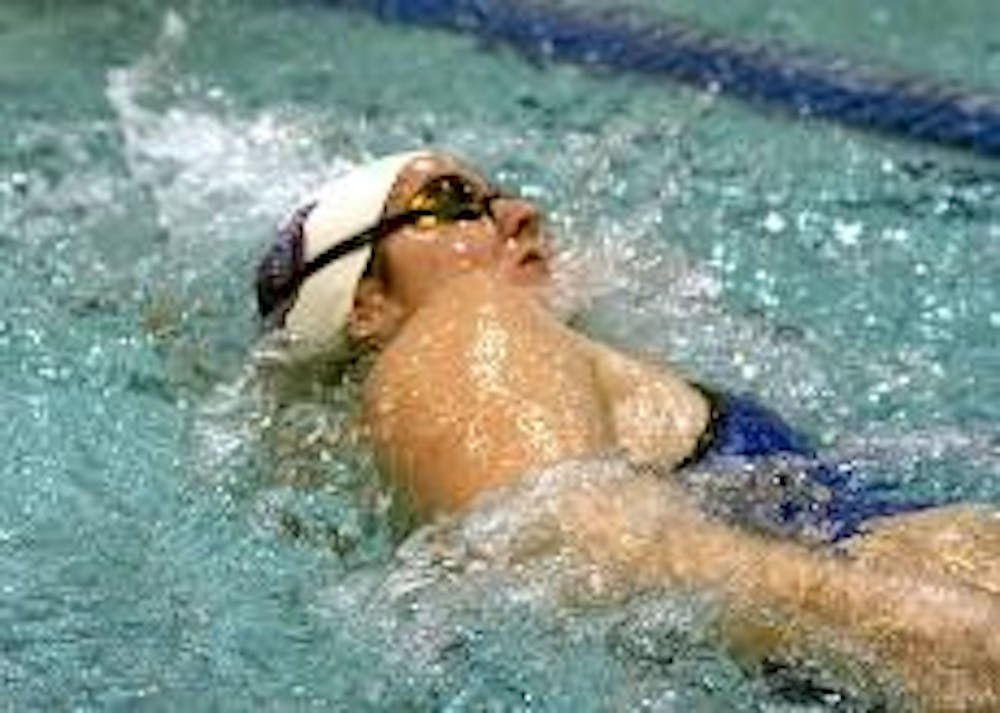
(171, 536)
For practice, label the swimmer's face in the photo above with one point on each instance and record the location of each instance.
(499, 234)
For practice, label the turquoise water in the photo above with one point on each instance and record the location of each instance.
(170, 537)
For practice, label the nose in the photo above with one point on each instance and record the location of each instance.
(516, 219)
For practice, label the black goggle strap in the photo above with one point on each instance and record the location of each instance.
(467, 211)
(357, 242)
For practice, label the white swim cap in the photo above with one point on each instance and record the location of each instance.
(311, 306)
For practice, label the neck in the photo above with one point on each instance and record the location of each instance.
(480, 385)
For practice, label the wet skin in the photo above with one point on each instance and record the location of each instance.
(477, 383)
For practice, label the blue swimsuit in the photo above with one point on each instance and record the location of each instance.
(795, 493)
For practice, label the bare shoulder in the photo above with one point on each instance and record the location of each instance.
(660, 414)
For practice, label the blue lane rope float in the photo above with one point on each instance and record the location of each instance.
(808, 84)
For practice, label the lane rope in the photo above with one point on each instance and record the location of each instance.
(804, 83)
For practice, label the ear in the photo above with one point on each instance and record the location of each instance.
(375, 317)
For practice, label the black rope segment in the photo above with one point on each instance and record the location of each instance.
(806, 83)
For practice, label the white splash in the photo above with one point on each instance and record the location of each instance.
(213, 176)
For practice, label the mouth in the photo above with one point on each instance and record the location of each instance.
(532, 257)
(530, 266)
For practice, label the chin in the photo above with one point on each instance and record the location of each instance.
(537, 282)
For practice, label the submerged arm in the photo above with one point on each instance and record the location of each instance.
(942, 639)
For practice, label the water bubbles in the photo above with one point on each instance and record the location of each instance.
(847, 233)
(19, 181)
(533, 191)
(748, 370)
(944, 313)
(806, 220)
(896, 235)
(733, 191)
(775, 223)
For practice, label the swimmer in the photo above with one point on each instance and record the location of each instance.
(476, 382)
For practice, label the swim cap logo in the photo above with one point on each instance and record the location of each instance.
(279, 272)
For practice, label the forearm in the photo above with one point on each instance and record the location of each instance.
(938, 638)
(780, 599)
